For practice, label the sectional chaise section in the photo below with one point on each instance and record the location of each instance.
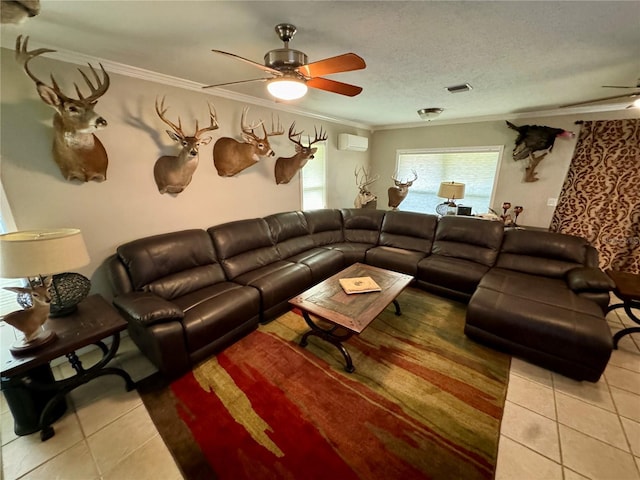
(188, 294)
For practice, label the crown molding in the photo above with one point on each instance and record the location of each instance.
(151, 76)
(556, 112)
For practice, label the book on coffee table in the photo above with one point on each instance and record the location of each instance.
(359, 285)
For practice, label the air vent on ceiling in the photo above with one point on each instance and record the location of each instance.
(465, 87)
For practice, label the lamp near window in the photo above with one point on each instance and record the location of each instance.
(451, 191)
(34, 254)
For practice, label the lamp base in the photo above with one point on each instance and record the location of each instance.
(446, 208)
(44, 337)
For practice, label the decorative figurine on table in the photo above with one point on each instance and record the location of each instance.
(507, 218)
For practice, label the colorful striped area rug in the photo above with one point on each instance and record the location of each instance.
(424, 402)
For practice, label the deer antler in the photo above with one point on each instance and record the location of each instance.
(248, 129)
(176, 128)
(366, 181)
(319, 137)
(293, 134)
(214, 122)
(24, 56)
(278, 131)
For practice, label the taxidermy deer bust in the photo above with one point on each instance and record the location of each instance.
(29, 320)
(77, 151)
(287, 167)
(399, 192)
(174, 172)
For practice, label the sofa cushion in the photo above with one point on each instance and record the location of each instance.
(290, 232)
(468, 238)
(408, 230)
(212, 312)
(362, 225)
(451, 273)
(323, 262)
(171, 264)
(243, 246)
(542, 253)
(325, 226)
(396, 259)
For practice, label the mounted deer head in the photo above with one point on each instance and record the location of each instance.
(230, 157)
(398, 193)
(174, 172)
(287, 167)
(77, 151)
(29, 320)
(365, 199)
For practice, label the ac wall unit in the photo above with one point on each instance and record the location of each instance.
(352, 142)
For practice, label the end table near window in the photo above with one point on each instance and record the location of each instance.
(35, 398)
(628, 290)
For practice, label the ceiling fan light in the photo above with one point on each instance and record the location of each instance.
(429, 113)
(636, 103)
(287, 88)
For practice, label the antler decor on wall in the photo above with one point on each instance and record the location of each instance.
(174, 172)
(77, 151)
(365, 199)
(230, 157)
(399, 192)
(534, 139)
(287, 167)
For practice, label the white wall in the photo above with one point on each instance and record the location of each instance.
(128, 205)
(510, 184)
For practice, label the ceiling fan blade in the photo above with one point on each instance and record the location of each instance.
(342, 63)
(597, 100)
(619, 86)
(264, 68)
(239, 81)
(333, 86)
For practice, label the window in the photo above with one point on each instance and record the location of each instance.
(314, 179)
(476, 167)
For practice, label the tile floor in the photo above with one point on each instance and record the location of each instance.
(553, 427)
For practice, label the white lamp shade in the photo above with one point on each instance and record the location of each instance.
(287, 89)
(30, 253)
(451, 190)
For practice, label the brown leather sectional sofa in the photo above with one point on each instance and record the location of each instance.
(537, 295)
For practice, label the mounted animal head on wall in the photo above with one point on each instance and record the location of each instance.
(399, 192)
(230, 157)
(174, 172)
(287, 167)
(535, 142)
(364, 198)
(17, 11)
(77, 151)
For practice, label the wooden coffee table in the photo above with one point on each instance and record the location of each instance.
(348, 315)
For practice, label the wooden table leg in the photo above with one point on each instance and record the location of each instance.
(329, 335)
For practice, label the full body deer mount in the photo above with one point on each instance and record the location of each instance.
(30, 320)
(174, 172)
(365, 199)
(287, 167)
(230, 157)
(77, 151)
(399, 192)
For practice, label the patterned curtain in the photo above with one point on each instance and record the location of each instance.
(600, 198)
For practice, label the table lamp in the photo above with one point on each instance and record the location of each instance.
(34, 254)
(451, 191)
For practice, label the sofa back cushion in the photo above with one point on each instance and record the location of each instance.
(325, 226)
(171, 264)
(468, 238)
(362, 225)
(542, 253)
(408, 230)
(243, 245)
(290, 232)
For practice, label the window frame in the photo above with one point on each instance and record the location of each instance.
(499, 149)
(325, 145)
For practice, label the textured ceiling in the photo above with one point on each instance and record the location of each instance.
(518, 56)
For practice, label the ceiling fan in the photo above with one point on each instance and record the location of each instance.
(291, 73)
(633, 96)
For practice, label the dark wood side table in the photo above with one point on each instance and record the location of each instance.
(628, 290)
(34, 397)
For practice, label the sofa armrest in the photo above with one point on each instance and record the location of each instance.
(587, 279)
(147, 308)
